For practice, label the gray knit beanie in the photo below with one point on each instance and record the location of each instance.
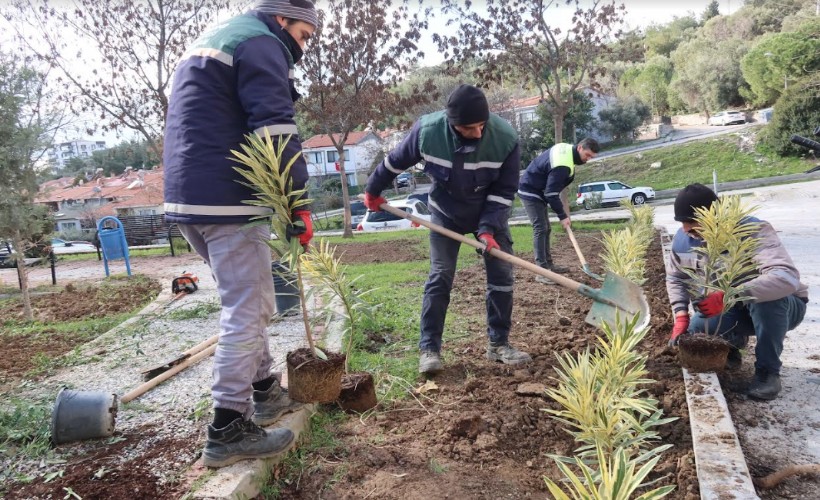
(302, 10)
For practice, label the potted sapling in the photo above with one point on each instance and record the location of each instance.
(314, 374)
(340, 295)
(727, 252)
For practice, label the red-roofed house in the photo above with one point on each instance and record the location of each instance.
(361, 148)
(79, 207)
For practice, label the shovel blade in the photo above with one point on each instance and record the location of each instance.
(618, 298)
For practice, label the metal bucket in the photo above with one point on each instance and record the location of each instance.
(285, 289)
(79, 415)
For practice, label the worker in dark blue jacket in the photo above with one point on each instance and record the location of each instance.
(473, 158)
(540, 187)
(237, 79)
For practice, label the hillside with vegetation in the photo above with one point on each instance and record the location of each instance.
(735, 156)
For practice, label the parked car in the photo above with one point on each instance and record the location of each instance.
(61, 246)
(385, 221)
(592, 194)
(425, 197)
(404, 179)
(5, 254)
(357, 211)
(727, 118)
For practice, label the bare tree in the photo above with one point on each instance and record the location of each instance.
(115, 58)
(519, 36)
(361, 50)
(28, 122)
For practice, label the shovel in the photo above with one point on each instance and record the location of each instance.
(584, 265)
(617, 297)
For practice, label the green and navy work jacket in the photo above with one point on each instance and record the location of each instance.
(474, 181)
(235, 80)
(549, 174)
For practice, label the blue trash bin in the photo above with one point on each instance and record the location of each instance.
(112, 242)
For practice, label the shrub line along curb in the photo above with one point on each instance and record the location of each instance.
(719, 460)
(244, 478)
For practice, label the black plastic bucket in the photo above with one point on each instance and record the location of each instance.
(80, 415)
(287, 293)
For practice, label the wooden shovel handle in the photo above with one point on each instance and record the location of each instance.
(561, 280)
(577, 248)
(145, 387)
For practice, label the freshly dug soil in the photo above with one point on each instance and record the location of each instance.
(703, 353)
(399, 250)
(314, 380)
(74, 302)
(478, 434)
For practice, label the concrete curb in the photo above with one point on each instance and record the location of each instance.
(719, 460)
(721, 466)
(244, 479)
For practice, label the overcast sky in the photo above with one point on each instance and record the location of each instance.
(640, 13)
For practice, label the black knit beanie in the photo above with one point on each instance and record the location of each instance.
(467, 105)
(691, 197)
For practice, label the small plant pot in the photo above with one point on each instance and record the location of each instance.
(358, 392)
(314, 380)
(286, 293)
(703, 353)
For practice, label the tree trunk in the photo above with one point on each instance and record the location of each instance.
(558, 121)
(22, 275)
(348, 231)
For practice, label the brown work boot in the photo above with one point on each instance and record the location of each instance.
(507, 354)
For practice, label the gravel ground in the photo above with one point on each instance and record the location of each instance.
(180, 406)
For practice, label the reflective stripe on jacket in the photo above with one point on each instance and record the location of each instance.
(549, 174)
(474, 182)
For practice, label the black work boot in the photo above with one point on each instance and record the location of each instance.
(271, 404)
(243, 439)
(766, 385)
(734, 360)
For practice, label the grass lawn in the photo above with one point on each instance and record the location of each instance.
(733, 156)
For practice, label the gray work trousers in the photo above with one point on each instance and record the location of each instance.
(540, 219)
(240, 261)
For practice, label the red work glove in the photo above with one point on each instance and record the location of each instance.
(307, 234)
(712, 305)
(373, 202)
(680, 327)
(489, 242)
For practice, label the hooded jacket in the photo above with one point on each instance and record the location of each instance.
(236, 79)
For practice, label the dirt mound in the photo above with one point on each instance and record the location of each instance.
(402, 250)
(85, 301)
(475, 437)
(75, 302)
